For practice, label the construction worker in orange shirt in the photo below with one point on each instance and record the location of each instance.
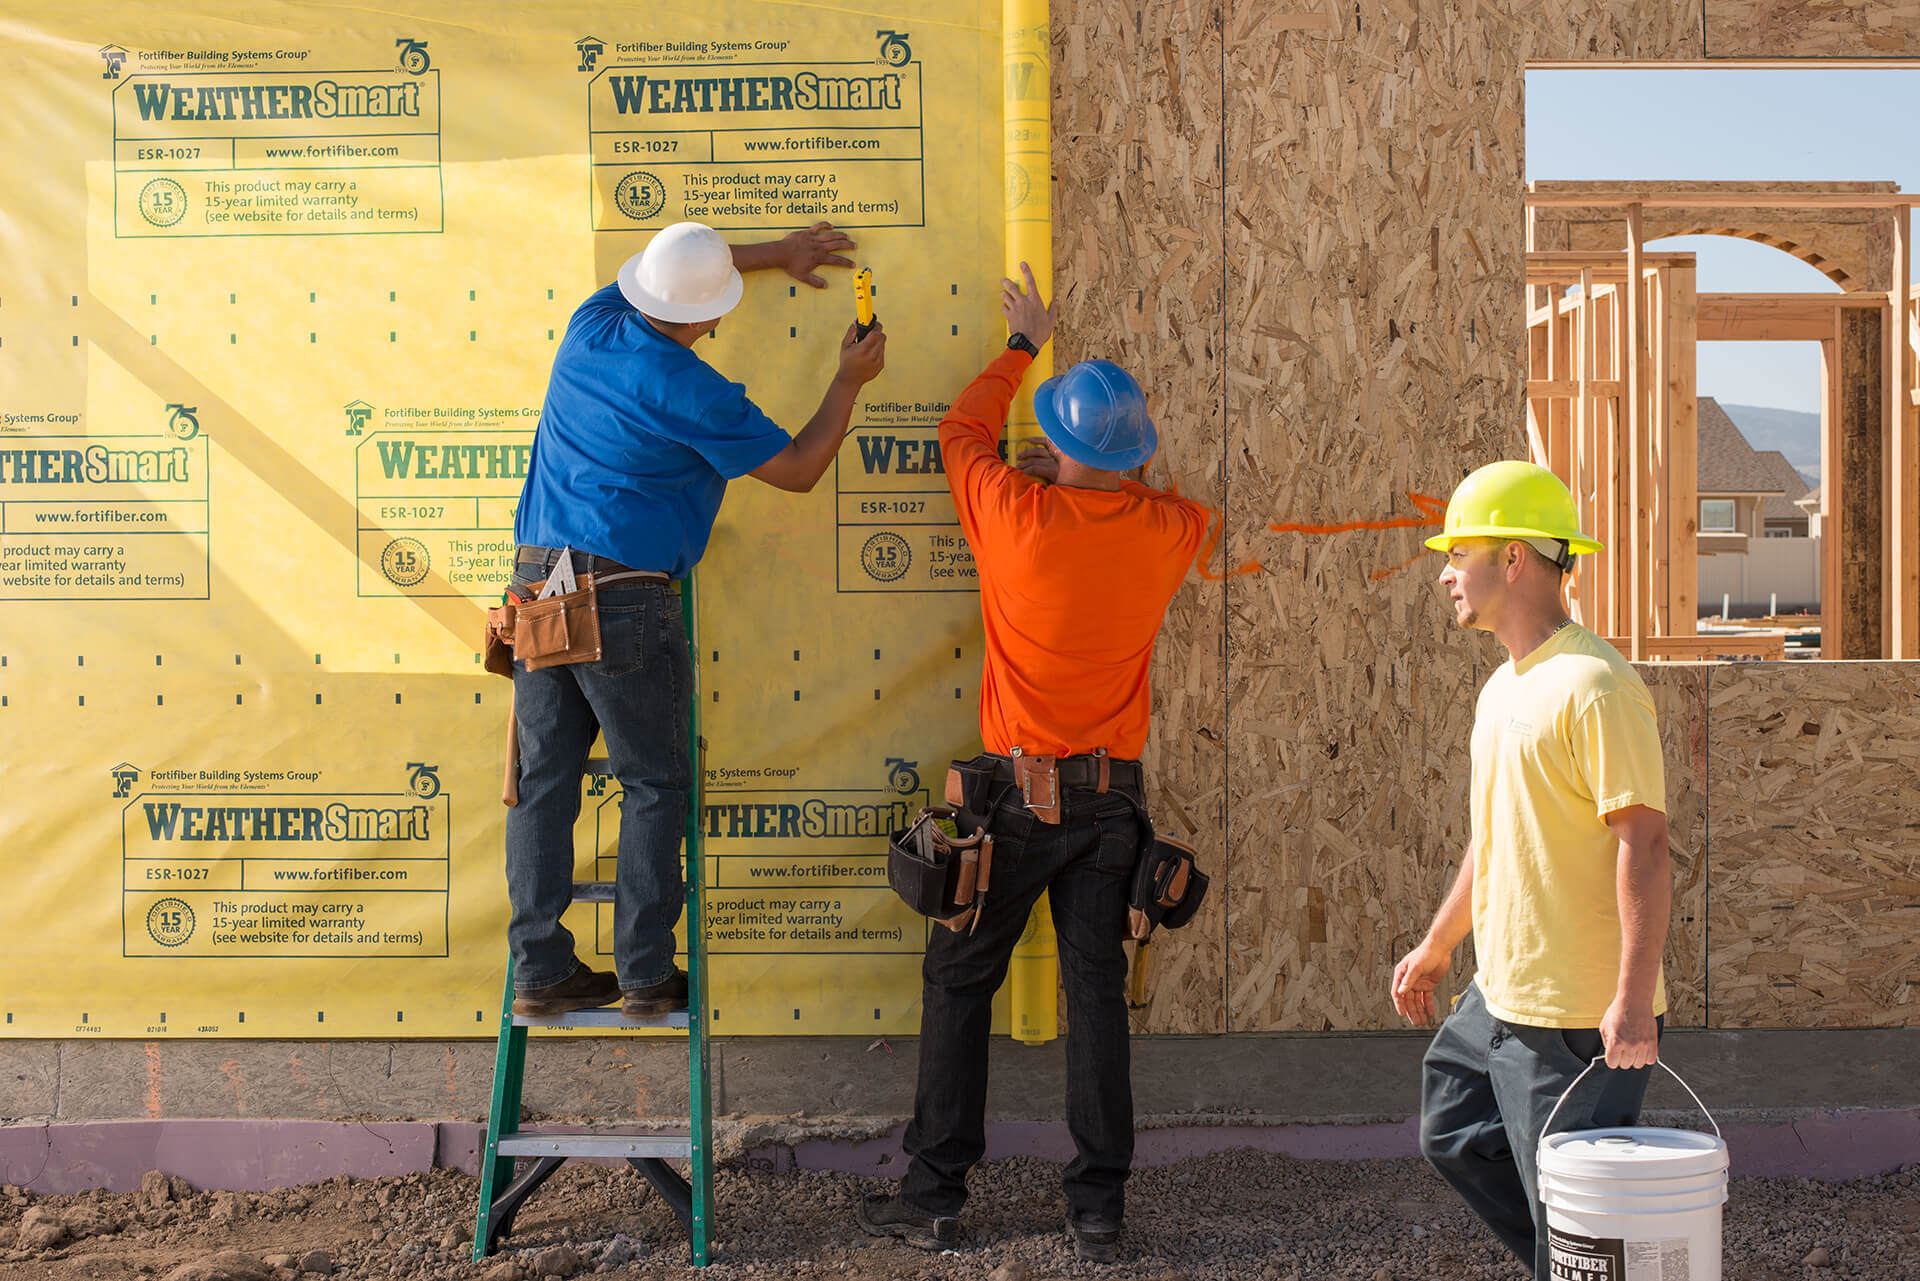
(1077, 564)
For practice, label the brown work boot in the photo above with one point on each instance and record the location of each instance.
(584, 989)
(664, 997)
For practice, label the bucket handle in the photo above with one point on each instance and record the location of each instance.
(1600, 1059)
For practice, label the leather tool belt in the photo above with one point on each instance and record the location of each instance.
(547, 630)
(941, 875)
(535, 558)
(556, 629)
(1167, 885)
(1043, 780)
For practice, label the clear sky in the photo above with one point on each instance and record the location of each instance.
(1731, 125)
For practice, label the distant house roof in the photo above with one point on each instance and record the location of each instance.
(1789, 479)
(1729, 465)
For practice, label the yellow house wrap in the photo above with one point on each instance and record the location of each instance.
(280, 289)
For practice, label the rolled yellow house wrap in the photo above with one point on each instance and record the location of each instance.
(1033, 978)
(1027, 114)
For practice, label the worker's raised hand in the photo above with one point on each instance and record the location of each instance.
(1414, 979)
(1026, 311)
(1038, 460)
(817, 246)
(862, 359)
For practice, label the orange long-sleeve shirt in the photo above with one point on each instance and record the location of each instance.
(1074, 584)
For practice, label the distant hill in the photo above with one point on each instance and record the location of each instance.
(1793, 432)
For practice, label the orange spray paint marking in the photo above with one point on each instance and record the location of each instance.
(153, 1078)
(1433, 511)
(1216, 525)
(1380, 575)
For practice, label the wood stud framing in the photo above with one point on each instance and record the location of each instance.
(1636, 419)
(1632, 475)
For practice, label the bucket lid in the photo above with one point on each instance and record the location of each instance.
(1633, 1152)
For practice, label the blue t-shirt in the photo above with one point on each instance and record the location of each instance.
(637, 441)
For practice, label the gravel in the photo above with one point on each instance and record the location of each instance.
(1241, 1215)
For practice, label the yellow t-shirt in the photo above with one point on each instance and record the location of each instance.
(1561, 738)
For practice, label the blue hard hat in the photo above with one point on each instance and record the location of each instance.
(1096, 414)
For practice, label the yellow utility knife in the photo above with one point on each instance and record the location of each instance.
(863, 302)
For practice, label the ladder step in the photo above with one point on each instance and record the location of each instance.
(608, 1017)
(602, 1144)
(593, 891)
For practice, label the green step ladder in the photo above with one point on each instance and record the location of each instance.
(502, 1190)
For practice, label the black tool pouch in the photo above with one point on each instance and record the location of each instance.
(1167, 886)
(971, 789)
(935, 874)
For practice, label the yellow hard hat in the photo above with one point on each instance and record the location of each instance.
(1513, 500)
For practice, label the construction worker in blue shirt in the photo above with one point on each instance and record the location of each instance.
(637, 440)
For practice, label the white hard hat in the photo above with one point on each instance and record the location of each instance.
(685, 274)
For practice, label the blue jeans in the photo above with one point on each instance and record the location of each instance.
(1487, 1088)
(1086, 862)
(637, 694)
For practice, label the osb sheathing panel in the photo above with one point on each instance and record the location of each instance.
(1814, 788)
(1138, 260)
(1680, 692)
(1773, 29)
(1342, 327)
(1373, 304)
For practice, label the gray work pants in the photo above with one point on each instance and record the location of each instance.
(1486, 1089)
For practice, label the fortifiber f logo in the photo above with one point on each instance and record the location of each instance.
(115, 57)
(183, 421)
(413, 59)
(358, 412)
(124, 777)
(590, 47)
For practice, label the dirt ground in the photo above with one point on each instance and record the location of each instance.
(1233, 1215)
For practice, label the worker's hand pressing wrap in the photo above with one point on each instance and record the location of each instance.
(818, 246)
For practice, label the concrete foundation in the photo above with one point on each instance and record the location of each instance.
(1278, 1078)
(255, 1155)
(1830, 1104)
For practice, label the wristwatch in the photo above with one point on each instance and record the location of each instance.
(1020, 342)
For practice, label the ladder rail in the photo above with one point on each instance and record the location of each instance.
(699, 1078)
(496, 1170)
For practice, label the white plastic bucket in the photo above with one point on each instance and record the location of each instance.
(1633, 1203)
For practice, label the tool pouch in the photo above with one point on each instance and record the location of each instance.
(497, 651)
(1167, 887)
(1038, 778)
(971, 787)
(937, 875)
(563, 628)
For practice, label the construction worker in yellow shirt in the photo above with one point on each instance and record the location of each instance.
(1566, 883)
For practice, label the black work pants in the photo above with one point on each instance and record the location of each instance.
(1086, 861)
